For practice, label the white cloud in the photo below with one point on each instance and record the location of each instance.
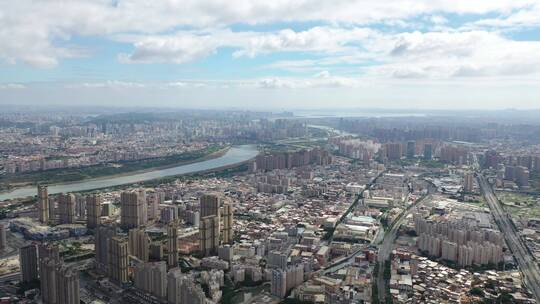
(436, 55)
(525, 17)
(110, 84)
(437, 19)
(37, 32)
(316, 39)
(12, 86)
(174, 49)
(474, 53)
(320, 80)
(276, 83)
(188, 46)
(322, 74)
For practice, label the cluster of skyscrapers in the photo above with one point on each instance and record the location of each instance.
(215, 225)
(59, 282)
(396, 150)
(460, 243)
(288, 160)
(118, 247)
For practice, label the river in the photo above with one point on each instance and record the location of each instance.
(234, 155)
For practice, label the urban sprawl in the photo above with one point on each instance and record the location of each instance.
(329, 210)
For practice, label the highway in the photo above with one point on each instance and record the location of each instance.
(387, 244)
(354, 204)
(527, 264)
(348, 259)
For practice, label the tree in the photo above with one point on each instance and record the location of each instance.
(477, 291)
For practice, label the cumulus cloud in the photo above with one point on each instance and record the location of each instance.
(38, 32)
(473, 53)
(438, 19)
(524, 17)
(316, 39)
(188, 46)
(173, 49)
(435, 55)
(341, 47)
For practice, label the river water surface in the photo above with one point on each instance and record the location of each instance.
(234, 155)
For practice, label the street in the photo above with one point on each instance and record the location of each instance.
(387, 244)
(527, 264)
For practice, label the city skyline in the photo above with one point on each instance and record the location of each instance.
(269, 152)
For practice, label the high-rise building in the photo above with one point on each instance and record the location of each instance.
(226, 252)
(295, 276)
(80, 206)
(169, 214)
(133, 209)
(28, 257)
(278, 285)
(174, 286)
(47, 278)
(172, 244)
(209, 223)
(227, 223)
(49, 259)
(52, 209)
(43, 203)
(536, 165)
(156, 199)
(156, 251)
(209, 204)
(468, 182)
(139, 244)
(428, 151)
(3, 237)
(522, 176)
(465, 255)
(491, 159)
(93, 211)
(518, 174)
(393, 151)
(118, 259)
(411, 149)
(152, 278)
(209, 228)
(102, 237)
(525, 161)
(67, 284)
(277, 259)
(449, 251)
(190, 291)
(192, 217)
(47, 250)
(66, 208)
(454, 154)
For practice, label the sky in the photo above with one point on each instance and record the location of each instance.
(279, 54)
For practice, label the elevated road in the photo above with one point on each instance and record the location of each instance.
(348, 259)
(527, 264)
(387, 244)
(359, 197)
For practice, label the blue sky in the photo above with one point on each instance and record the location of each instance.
(279, 54)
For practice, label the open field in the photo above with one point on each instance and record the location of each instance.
(519, 204)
